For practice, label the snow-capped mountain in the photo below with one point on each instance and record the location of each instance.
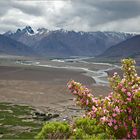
(67, 43)
(27, 35)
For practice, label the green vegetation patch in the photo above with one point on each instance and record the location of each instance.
(16, 122)
(82, 128)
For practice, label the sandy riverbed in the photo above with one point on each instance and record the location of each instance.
(43, 87)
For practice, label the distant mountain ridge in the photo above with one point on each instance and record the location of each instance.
(59, 43)
(12, 47)
(127, 48)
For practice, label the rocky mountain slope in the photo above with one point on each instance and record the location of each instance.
(127, 48)
(13, 47)
(59, 43)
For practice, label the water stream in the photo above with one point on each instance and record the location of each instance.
(100, 76)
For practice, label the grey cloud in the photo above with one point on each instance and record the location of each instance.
(28, 9)
(11, 22)
(103, 11)
(85, 15)
(120, 9)
(4, 7)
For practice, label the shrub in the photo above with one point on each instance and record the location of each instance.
(54, 130)
(119, 112)
(82, 128)
(86, 128)
(89, 126)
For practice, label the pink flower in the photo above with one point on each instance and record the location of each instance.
(115, 127)
(136, 90)
(69, 86)
(130, 83)
(103, 119)
(134, 132)
(120, 85)
(114, 115)
(129, 110)
(82, 100)
(125, 125)
(94, 100)
(110, 96)
(88, 95)
(128, 94)
(128, 135)
(124, 90)
(110, 124)
(94, 108)
(87, 102)
(129, 99)
(74, 92)
(107, 98)
(118, 101)
(117, 109)
(111, 93)
(114, 121)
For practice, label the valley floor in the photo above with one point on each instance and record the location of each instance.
(43, 88)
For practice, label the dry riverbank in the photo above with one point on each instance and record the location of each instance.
(43, 88)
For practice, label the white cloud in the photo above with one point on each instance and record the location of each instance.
(86, 15)
(127, 25)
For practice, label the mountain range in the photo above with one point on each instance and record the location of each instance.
(127, 48)
(60, 43)
(13, 47)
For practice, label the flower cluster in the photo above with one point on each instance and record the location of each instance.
(119, 112)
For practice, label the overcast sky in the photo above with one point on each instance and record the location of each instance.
(83, 15)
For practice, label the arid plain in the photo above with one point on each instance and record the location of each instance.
(45, 88)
